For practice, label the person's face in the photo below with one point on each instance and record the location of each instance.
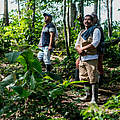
(47, 19)
(87, 22)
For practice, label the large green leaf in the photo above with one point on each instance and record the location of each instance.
(12, 56)
(36, 65)
(33, 63)
(28, 55)
(22, 61)
(8, 80)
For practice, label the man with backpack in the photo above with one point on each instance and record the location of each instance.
(86, 46)
(100, 50)
(47, 41)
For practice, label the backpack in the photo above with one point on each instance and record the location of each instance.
(101, 46)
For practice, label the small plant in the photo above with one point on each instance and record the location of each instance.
(94, 112)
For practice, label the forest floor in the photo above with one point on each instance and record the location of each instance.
(105, 91)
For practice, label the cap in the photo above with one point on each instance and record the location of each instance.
(45, 14)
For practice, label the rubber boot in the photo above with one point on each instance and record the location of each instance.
(77, 75)
(48, 68)
(94, 93)
(87, 93)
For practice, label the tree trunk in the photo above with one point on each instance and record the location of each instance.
(31, 6)
(19, 13)
(6, 18)
(111, 17)
(81, 13)
(68, 23)
(64, 23)
(96, 6)
(108, 17)
(72, 14)
(99, 16)
(33, 16)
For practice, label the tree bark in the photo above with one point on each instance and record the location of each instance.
(96, 6)
(19, 13)
(111, 17)
(99, 16)
(81, 13)
(64, 23)
(68, 23)
(33, 16)
(6, 18)
(108, 17)
(72, 14)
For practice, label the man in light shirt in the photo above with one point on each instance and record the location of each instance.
(86, 46)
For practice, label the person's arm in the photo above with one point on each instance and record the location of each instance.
(52, 35)
(87, 47)
(94, 44)
(77, 42)
(77, 46)
(52, 31)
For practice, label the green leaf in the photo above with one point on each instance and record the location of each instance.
(21, 91)
(56, 92)
(18, 89)
(12, 56)
(28, 55)
(36, 66)
(48, 77)
(8, 80)
(22, 61)
(32, 81)
(67, 83)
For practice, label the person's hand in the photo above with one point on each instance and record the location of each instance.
(81, 52)
(50, 47)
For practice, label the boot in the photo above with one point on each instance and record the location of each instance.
(87, 93)
(77, 75)
(94, 93)
(48, 68)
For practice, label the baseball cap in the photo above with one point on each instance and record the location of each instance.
(45, 14)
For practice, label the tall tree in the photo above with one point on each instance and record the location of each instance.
(31, 7)
(80, 13)
(99, 16)
(19, 9)
(68, 23)
(6, 18)
(33, 16)
(108, 19)
(96, 6)
(111, 9)
(72, 14)
(65, 31)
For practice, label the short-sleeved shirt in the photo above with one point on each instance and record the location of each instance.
(45, 35)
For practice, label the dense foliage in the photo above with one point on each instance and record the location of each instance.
(26, 92)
